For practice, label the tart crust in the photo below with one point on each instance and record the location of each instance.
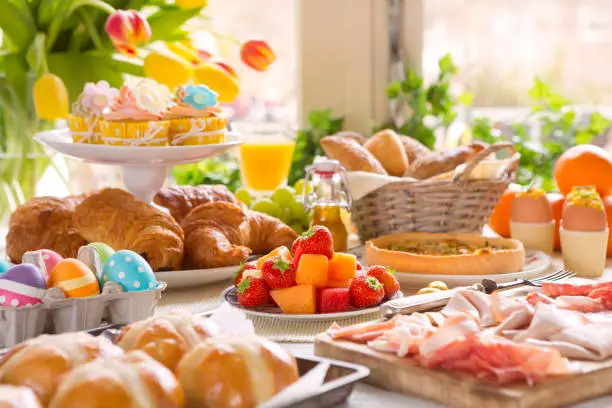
(507, 260)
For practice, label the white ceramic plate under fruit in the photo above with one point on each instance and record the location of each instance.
(536, 264)
(274, 312)
(195, 277)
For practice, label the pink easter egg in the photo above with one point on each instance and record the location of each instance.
(51, 258)
(22, 285)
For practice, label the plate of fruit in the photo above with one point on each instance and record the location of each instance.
(311, 282)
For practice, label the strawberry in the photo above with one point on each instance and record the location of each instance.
(316, 241)
(359, 266)
(244, 267)
(385, 276)
(278, 273)
(252, 292)
(366, 291)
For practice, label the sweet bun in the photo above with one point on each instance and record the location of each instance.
(167, 338)
(235, 372)
(42, 362)
(351, 155)
(17, 397)
(351, 135)
(387, 147)
(133, 380)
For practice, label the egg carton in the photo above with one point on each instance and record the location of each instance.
(58, 314)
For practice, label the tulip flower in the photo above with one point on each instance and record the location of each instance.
(204, 54)
(169, 70)
(257, 54)
(191, 4)
(224, 66)
(126, 29)
(50, 97)
(184, 52)
(219, 80)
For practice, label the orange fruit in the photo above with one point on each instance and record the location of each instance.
(584, 165)
(608, 206)
(556, 201)
(500, 217)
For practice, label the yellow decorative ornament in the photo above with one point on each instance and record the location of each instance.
(218, 80)
(191, 4)
(171, 71)
(50, 97)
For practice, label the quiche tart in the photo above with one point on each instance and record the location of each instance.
(446, 254)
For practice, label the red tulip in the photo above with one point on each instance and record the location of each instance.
(126, 29)
(224, 66)
(257, 54)
(204, 54)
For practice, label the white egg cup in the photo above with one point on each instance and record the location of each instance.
(584, 252)
(58, 314)
(535, 235)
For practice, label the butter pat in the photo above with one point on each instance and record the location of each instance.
(535, 235)
(584, 252)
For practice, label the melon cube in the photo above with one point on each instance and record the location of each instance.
(334, 300)
(312, 270)
(300, 299)
(342, 267)
(338, 283)
(281, 251)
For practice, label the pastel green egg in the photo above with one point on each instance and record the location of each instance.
(104, 251)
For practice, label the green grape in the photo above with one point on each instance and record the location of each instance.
(285, 215)
(283, 196)
(297, 227)
(298, 212)
(243, 195)
(299, 187)
(267, 207)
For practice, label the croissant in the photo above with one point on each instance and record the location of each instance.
(17, 397)
(42, 362)
(235, 372)
(120, 220)
(167, 338)
(180, 200)
(216, 234)
(133, 380)
(268, 233)
(43, 223)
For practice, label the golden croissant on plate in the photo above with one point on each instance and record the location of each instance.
(42, 362)
(267, 233)
(132, 380)
(182, 199)
(119, 219)
(167, 338)
(44, 223)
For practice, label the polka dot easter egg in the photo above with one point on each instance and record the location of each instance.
(104, 251)
(4, 266)
(22, 285)
(50, 258)
(74, 278)
(129, 270)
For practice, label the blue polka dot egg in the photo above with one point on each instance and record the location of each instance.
(129, 270)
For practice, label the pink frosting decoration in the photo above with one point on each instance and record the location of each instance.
(126, 109)
(183, 110)
(98, 97)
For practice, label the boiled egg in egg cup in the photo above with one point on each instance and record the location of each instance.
(584, 232)
(531, 220)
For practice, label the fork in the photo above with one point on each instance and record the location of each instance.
(420, 303)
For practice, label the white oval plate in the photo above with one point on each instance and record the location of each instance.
(536, 263)
(195, 277)
(61, 140)
(274, 312)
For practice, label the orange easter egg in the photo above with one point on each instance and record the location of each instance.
(74, 278)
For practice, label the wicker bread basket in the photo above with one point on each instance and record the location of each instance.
(457, 205)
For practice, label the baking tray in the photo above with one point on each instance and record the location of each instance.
(338, 384)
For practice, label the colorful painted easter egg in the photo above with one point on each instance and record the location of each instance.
(130, 270)
(50, 258)
(103, 250)
(22, 285)
(74, 278)
(4, 266)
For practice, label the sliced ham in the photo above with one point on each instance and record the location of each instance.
(471, 302)
(573, 287)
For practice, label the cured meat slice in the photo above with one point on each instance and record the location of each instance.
(573, 287)
(603, 295)
(548, 320)
(473, 303)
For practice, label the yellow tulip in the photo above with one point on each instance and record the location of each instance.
(184, 52)
(218, 80)
(167, 69)
(50, 97)
(191, 4)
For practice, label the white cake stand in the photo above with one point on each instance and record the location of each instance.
(144, 169)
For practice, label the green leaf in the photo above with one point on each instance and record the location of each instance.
(466, 99)
(165, 23)
(17, 24)
(447, 66)
(394, 90)
(16, 74)
(36, 57)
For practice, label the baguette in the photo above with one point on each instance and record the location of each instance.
(442, 162)
(351, 155)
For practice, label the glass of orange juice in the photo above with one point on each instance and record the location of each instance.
(265, 155)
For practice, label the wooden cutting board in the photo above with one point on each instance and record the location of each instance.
(461, 390)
